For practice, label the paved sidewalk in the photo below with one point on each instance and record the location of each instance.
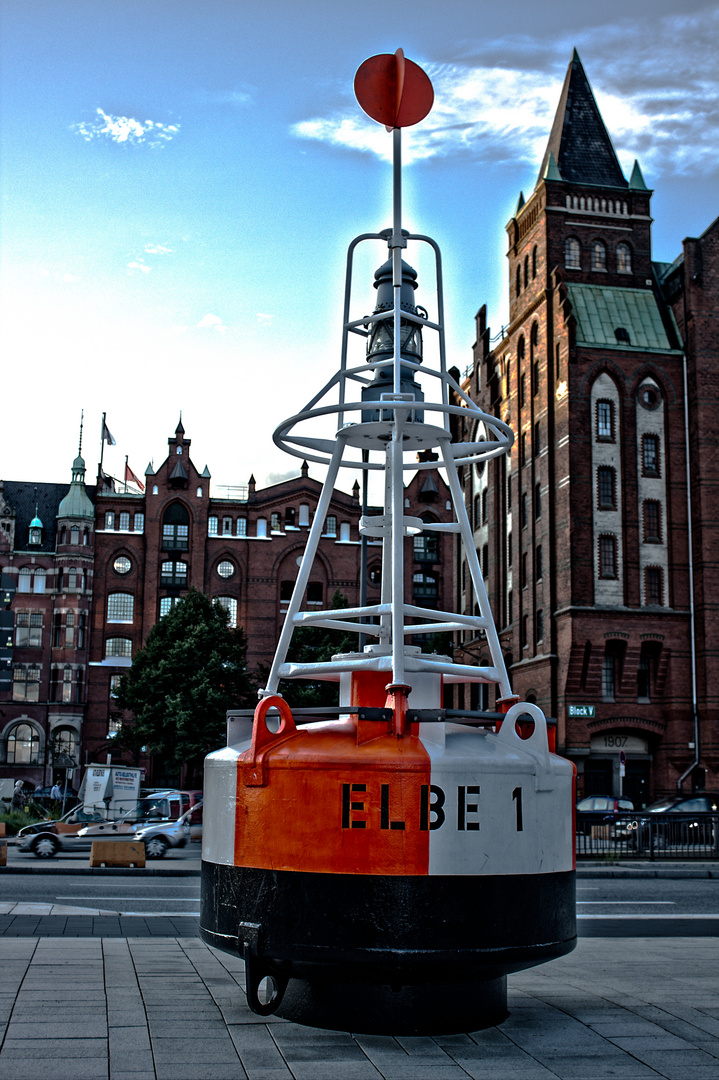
(169, 1009)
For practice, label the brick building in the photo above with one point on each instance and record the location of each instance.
(584, 529)
(243, 550)
(46, 557)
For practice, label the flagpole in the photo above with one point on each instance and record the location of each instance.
(102, 440)
(126, 474)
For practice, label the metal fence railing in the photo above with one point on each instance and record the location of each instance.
(638, 835)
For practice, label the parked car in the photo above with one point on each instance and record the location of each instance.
(680, 820)
(600, 810)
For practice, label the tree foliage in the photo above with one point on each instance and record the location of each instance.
(190, 671)
(314, 645)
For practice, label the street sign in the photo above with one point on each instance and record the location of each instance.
(586, 711)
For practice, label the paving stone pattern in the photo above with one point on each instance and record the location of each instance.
(154, 1008)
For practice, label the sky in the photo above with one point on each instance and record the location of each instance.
(180, 180)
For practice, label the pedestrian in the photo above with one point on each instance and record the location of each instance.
(56, 793)
(18, 796)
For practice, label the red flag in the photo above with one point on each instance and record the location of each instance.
(130, 478)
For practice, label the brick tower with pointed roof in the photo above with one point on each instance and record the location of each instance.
(583, 530)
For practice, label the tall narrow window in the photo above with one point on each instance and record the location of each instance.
(526, 271)
(608, 677)
(212, 525)
(652, 521)
(624, 259)
(522, 390)
(607, 556)
(275, 522)
(524, 510)
(606, 488)
(509, 549)
(534, 261)
(572, 254)
(38, 581)
(176, 528)
(538, 500)
(538, 563)
(125, 521)
(242, 526)
(109, 519)
(653, 585)
(229, 603)
(650, 455)
(539, 619)
(23, 579)
(537, 438)
(518, 280)
(139, 523)
(485, 560)
(605, 421)
(485, 501)
(599, 255)
(227, 526)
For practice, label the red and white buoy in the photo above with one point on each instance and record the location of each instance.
(384, 869)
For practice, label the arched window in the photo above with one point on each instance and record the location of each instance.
(572, 254)
(526, 271)
(520, 348)
(534, 261)
(518, 281)
(66, 743)
(229, 603)
(120, 607)
(23, 579)
(23, 745)
(599, 255)
(118, 646)
(38, 581)
(424, 584)
(176, 528)
(624, 258)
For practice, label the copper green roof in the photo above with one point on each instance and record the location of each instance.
(600, 310)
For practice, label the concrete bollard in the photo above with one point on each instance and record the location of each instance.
(117, 853)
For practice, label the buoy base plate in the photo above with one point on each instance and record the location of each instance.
(437, 1009)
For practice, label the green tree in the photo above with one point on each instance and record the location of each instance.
(314, 645)
(190, 671)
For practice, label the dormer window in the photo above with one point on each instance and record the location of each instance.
(622, 335)
(35, 536)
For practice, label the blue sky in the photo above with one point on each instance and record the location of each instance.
(180, 181)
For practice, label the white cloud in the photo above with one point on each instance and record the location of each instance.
(138, 266)
(125, 129)
(263, 319)
(157, 249)
(656, 83)
(212, 322)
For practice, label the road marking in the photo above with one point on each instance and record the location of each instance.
(673, 915)
(646, 903)
(137, 899)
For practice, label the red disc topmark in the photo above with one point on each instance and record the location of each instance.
(392, 90)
